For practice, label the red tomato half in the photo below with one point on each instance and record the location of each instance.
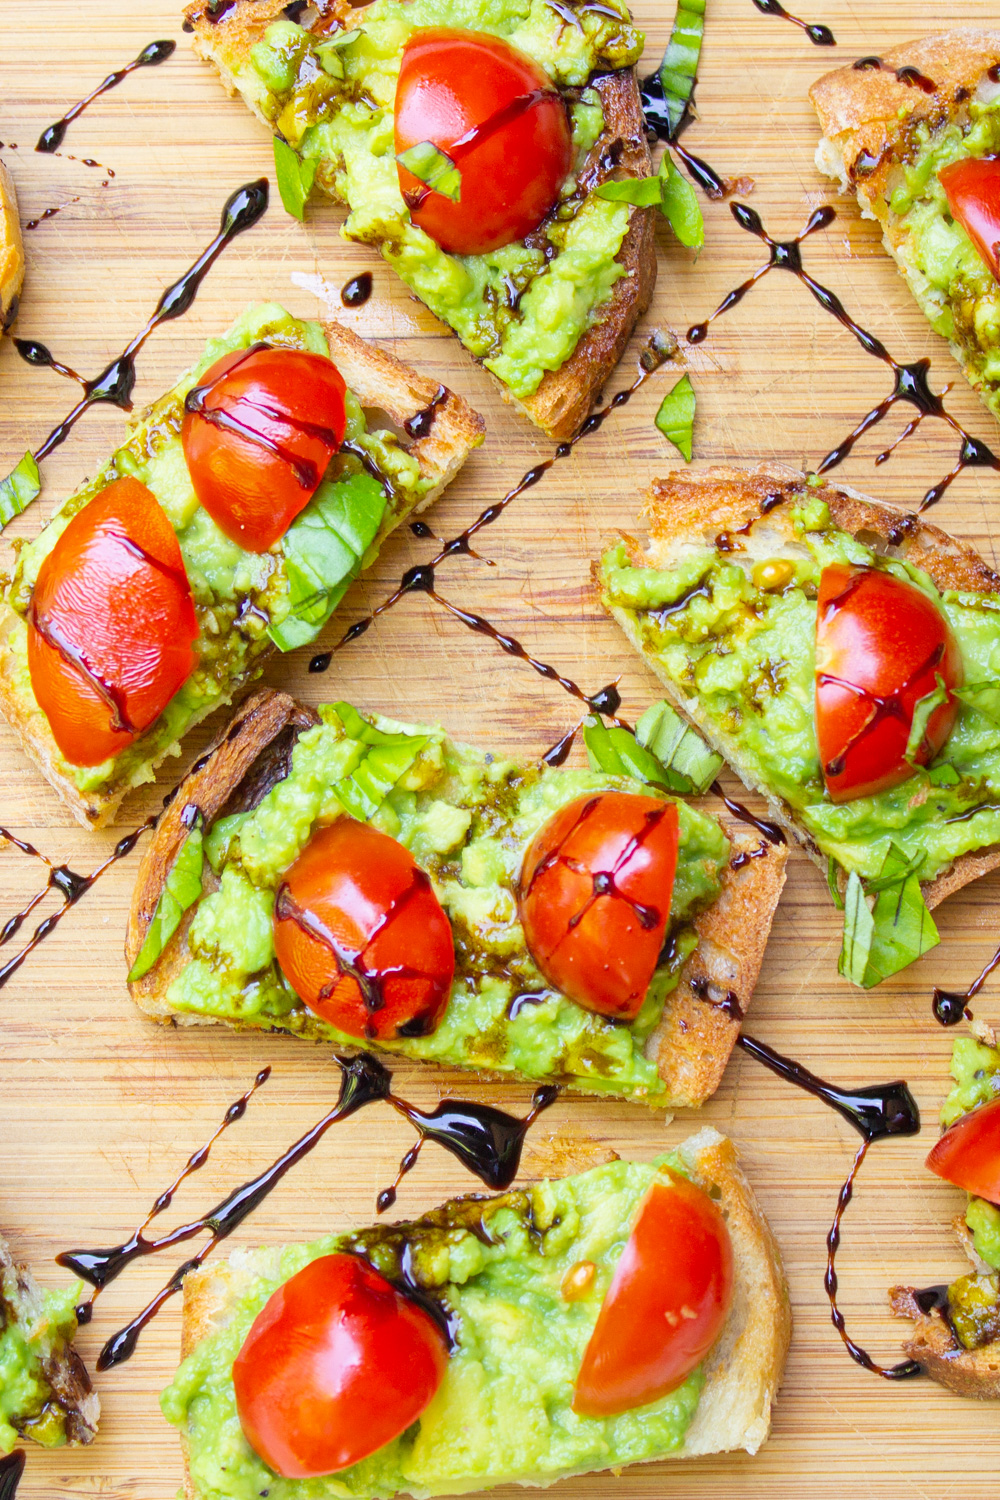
(361, 936)
(595, 896)
(666, 1305)
(111, 627)
(881, 644)
(972, 187)
(968, 1154)
(258, 433)
(500, 119)
(336, 1365)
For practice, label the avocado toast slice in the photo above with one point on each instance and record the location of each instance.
(549, 319)
(45, 1392)
(247, 603)
(281, 770)
(502, 1413)
(11, 251)
(888, 139)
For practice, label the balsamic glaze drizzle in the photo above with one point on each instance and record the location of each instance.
(770, 831)
(876, 1112)
(659, 127)
(355, 293)
(910, 381)
(150, 57)
(818, 34)
(11, 1469)
(487, 1141)
(952, 1006)
(908, 75)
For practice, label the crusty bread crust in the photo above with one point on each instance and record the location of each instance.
(698, 1029)
(382, 383)
(743, 1372)
(691, 508)
(564, 396)
(11, 250)
(967, 1372)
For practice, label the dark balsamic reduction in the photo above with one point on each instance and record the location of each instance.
(477, 134)
(485, 1140)
(214, 11)
(659, 127)
(419, 425)
(910, 381)
(908, 75)
(817, 33)
(49, 213)
(729, 1003)
(355, 293)
(952, 1006)
(876, 1112)
(39, 355)
(11, 1469)
(770, 831)
(746, 855)
(558, 754)
(150, 57)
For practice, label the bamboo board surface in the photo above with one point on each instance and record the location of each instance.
(98, 1108)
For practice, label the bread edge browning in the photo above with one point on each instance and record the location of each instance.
(11, 250)
(378, 379)
(743, 1371)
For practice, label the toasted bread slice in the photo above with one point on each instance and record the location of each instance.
(11, 251)
(700, 1022)
(967, 1372)
(692, 508)
(743, 1371)
(65, 1408)
(382, 384)
(873, 123)
(564, 396)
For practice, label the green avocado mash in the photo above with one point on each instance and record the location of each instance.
(245, 602)
(748, 656)
(503, 1411)
(521, 309)
(30, 1335)
(468, 818)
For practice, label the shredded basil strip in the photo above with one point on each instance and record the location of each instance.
(17, 491)
(923, 709)
(327, 51)
(680, 749)
(984, 696)
(643, 192)
(433, 167)
(831, 880)
(617, 751)
(295, 177)
(679, 204)
(675, 418)
(181, 889)
(387, 757)
(894, 931)
(679, 68)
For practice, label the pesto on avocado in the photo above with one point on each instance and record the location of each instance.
(521, 309)
(503, 1410)
(244, 601)
(29, 1338)
(468, 819)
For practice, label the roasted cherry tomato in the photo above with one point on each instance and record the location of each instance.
(972, 187)
(668, 1300)
(968, 1154)
(336, 1365)
(111, 625)
(881, 645)
(502, 122)
(258, 433)
(361, 936)
(595, 896)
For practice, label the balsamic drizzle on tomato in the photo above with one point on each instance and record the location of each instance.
(477, 134)
(11, 1469)
(603, 882)
(150, 57)
(818, 34)
(908, 75)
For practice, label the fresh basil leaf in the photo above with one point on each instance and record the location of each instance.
(387, 757)
(295, 177)
(831, 880)
(675, 418)
(601, 752)
(617, 751)
(895, 869)
(17, 491)
(895, 931)
(985, 696)
(859, 929)
(679, 203)
(432, 166)
(644, 192)
(181, 889)
(922, 711)
(679, 68)
(943, 775)
(689, 763)
(328, 50)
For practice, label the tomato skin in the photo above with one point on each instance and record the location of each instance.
(968, 1154)
(369, 896)
(667, 1303)
(972, 187)
(452, 81)
(595, 894)
(114, 589)
(336, 1365)
(884, 642)
(295, 402)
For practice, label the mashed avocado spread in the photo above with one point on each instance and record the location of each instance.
(244, 601)
(521, 309)
(502, 1412)
(974, 1300)
(748, 655)
(468, 819)
(28, 1407)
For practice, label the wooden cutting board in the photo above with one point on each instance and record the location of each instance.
(98, 1108)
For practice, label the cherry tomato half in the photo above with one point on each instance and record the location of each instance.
(972, 187)
(500, 119)
(111, 626)
(595, 896)
(968, 1154)
(258, 433)
(336, 1365)
(881, 645)
(361, 936)
(666, 1305)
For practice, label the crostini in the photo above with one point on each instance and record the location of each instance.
(11, 251)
